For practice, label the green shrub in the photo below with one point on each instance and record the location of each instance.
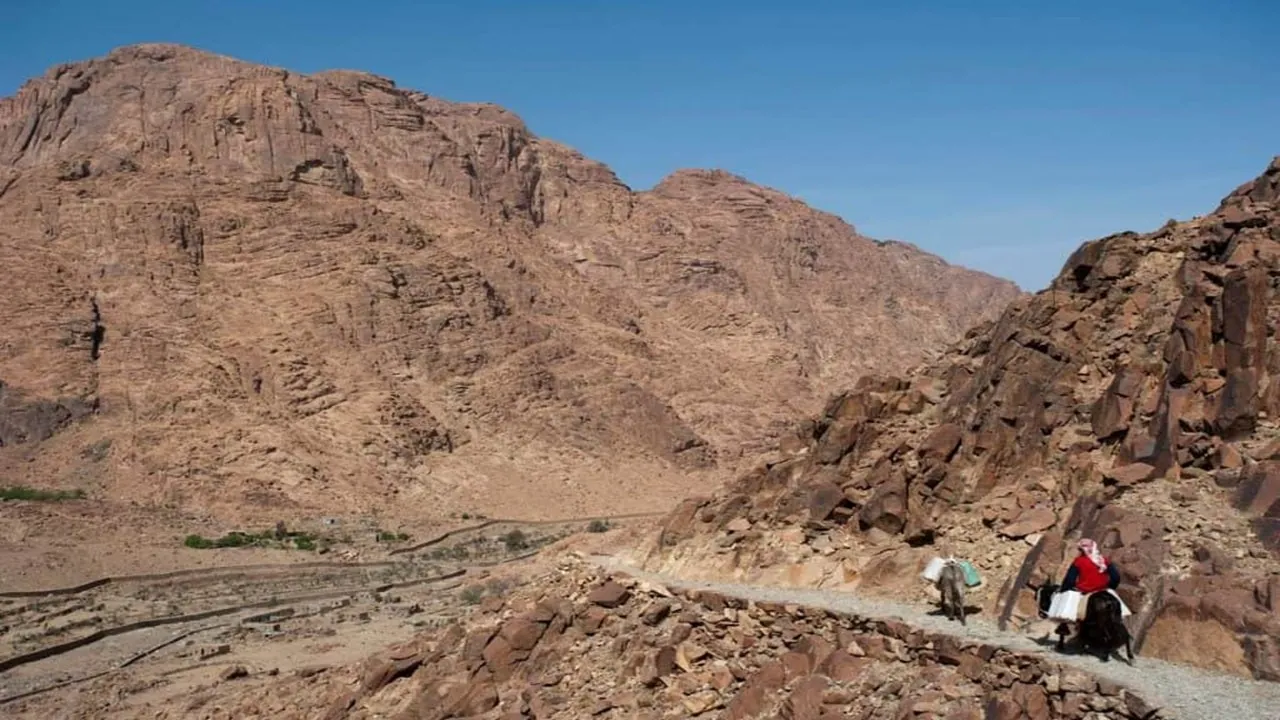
(23, 492)
(599, 526)
(471, 595)
(515, 540)
(235, 539)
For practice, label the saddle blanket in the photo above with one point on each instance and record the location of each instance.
(1070, 606)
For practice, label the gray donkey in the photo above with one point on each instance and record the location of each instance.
(951, 588)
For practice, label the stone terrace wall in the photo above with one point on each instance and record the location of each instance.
(583, 646)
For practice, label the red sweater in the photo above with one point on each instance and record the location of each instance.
(1089, 578)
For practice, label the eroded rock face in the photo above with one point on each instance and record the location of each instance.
(1134, 401)
(712, 656)
(328, 292)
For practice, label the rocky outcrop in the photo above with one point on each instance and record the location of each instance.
(281, 292)
(581, 646)
(1134, 401)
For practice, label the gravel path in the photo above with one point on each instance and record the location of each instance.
(1190, 693)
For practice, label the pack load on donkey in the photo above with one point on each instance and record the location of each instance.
(951, 577)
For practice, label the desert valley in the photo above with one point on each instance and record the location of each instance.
(325, 398)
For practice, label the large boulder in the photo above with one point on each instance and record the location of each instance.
(1113, 411)
(887, 508)
(942, 443)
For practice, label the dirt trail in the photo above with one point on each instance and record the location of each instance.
(1190, 693)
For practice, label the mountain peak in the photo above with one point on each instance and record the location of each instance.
(396, 289)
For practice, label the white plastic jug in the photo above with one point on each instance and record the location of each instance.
(933, 570)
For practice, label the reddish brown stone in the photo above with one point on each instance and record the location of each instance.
(1266, 594)
(823, 499)
(942, 443)
(770, 676)
(656, 612)
(476, 697)
(501, 659)
(1263, 656)
(609, 594)
(680, 633)
(837, 441)
(1138, 706)
(664, 660)
(1114, 410)
(1030, 521)
(1033, 700)
(843, 667)
(1127, 475)
(816, 648)
(887, 509)
(522, 634)
(382, 671)
(750, 702)
(1228, 457)
(591, 620)
(796, 664)
(805, 700)
(474, 645)
(1259, 488)
(1214, 557)
(966, 711)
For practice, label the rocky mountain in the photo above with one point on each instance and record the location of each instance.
(1135, 401)
(249, 291)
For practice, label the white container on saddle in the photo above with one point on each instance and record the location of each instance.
(933, 570)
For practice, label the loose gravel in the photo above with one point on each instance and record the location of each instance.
(1186, 692)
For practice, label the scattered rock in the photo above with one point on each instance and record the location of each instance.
(1034, 520)
(609, 595)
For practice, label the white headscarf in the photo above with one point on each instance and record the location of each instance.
(1090, 548)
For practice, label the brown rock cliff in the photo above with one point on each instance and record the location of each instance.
(237, 288)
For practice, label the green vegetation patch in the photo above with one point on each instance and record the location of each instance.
(515, 541)
(387, 536)
(265, 539)
(23, 492)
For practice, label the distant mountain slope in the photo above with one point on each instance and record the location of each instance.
(236, 288)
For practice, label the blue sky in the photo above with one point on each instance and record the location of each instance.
(997, 134)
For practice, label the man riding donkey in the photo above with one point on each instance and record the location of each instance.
(1089, 586)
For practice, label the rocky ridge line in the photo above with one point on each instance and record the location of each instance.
(1134, 401)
